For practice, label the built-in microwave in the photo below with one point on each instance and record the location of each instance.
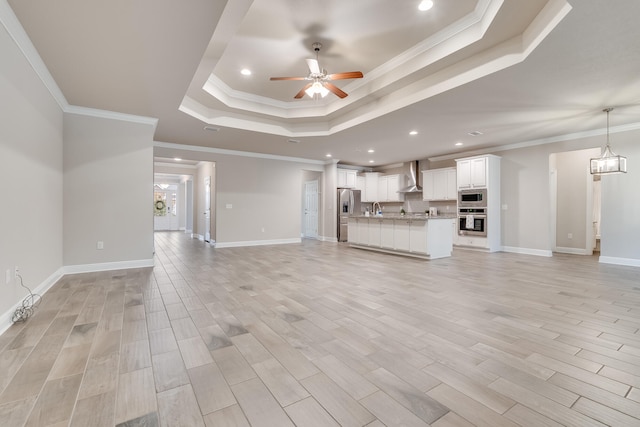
(472, 198)
(472, 222)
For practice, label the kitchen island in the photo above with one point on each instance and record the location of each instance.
(411, 235)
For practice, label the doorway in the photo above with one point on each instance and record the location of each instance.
(574, 205)
(207, 209)
(310, 220)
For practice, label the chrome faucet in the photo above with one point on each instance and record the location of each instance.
(375, 211)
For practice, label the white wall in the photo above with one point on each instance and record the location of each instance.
(108, 191)
(31, 138)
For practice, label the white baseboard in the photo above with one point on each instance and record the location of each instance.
(119, 265)
(257, 243)
(631, 262)
(527, 251)
(5, 318)
(573, 251)
(328, 239)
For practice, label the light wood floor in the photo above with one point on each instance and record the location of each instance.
(320, 334)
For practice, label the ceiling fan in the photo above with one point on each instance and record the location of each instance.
(319, 80)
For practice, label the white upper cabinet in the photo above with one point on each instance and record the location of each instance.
(362, 186)
(439, 184)
(371, 187)
(388, 187)
(472, 173)
(346, 178)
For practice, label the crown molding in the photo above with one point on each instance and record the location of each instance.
(462, 34)
(199, 149)
(541, 141)
(112, 115)
(23, 42)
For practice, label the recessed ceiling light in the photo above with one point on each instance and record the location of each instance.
(371, 151)
(211, 128)
(425, 5)
(328, 155)
(177, 159)
(245, 72)
(475, 133)
(458, 144)
(372, 161)
(413, 132)
(294, 141)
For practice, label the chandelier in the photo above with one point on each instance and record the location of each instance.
(608, 162)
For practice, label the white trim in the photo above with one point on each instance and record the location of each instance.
(631, 262)
(257, 243)
(5, 318)
(106, 266)
(170, 145)
(328, 239)
(573, 251)
(527, 251)
(543, 141)
(11, 23)
(175, 165)
(112, 115)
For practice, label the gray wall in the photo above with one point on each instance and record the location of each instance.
(574, 200)
(108, 190)
(264, 193)
(525, 190)
(31, 141)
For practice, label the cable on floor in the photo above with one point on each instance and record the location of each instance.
(29, 304)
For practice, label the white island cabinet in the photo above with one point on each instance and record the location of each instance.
(421, 237)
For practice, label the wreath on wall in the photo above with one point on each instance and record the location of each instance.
(159, 208)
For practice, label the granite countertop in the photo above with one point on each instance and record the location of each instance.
(412, 217)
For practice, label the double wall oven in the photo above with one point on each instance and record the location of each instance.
(472, 212)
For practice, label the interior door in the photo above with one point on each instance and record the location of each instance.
(207, 209)
(311, 209)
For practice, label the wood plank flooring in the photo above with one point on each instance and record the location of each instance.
(320, 334)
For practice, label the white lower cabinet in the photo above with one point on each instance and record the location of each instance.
(418, 237)
(374, 232)
(431, 238)
(353, 230)
(401, 235)
(363, 231)
(386, 234)
(477, 242)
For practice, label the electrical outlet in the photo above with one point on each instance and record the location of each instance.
(570, 236)
(263, 229)
(16, 271)
(7, 276)
(100, 245)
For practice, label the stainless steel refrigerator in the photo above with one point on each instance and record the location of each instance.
(348, 204)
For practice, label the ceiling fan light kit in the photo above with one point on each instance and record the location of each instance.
(608, 162)
(320, 80)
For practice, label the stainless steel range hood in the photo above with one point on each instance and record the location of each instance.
(411, 171)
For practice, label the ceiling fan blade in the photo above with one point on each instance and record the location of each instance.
(347, 75)
(335, 89)
(313, 66)
(288, 78)
(302, 91)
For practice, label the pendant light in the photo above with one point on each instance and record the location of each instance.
(609, 162)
